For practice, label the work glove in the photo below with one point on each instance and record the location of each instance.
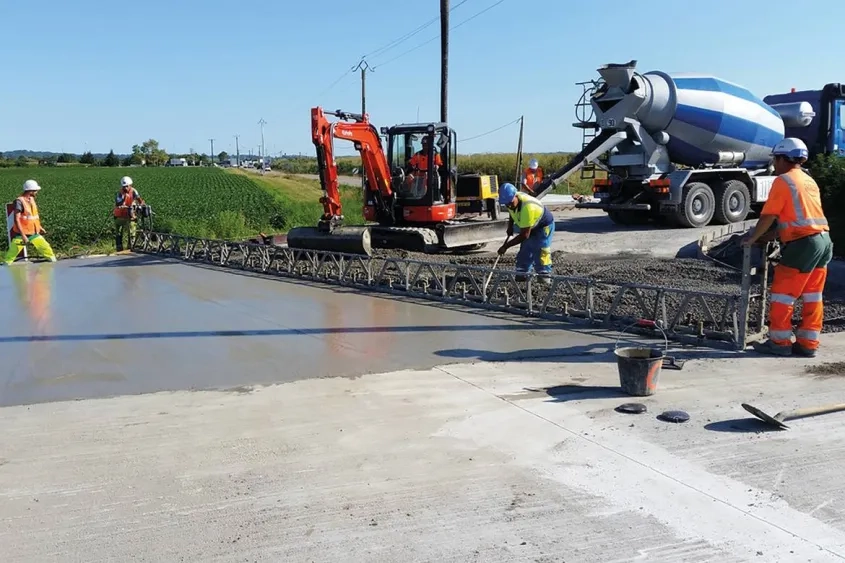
(502, 250)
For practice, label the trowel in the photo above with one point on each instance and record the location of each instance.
(778, 419)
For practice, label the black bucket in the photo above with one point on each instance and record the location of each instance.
(639, 369)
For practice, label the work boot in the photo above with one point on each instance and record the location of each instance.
(521, 276)
(802, 351)
(772, 349)
(544, 278)
(118, 243)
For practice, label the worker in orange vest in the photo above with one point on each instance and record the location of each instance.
(418, 165)
(26, 227)
(531, 175)
(125, 217)
(794, 202)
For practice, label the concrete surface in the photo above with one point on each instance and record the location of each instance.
(473, 462)
(112, 326)
(590, 231)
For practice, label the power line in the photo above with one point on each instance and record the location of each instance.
(412, 49)
(410, 34)
(491, 131)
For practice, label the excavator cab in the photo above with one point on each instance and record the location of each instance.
(421, 157)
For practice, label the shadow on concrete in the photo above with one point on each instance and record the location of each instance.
(741, 425)
(271, 332)
(602, 224)
(564, 393)
(575, 354)
(124, 261)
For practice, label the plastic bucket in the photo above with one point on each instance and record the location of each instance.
(639, 369)
(639, 366)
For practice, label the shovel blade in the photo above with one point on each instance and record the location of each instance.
(765, 417)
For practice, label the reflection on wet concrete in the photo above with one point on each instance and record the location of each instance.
(122, 325)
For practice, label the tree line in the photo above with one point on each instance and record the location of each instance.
(148, 153)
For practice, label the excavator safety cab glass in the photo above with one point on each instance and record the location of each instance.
(403, 149)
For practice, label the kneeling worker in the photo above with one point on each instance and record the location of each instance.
(794, 203)
(536, 226)
(124, 212)
(27, 227)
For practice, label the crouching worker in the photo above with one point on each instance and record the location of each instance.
(125, 217)
(536, 226)
(26, 226)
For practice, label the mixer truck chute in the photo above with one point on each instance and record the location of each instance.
(685, 149)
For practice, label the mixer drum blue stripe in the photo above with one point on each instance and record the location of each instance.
(728, 126)
(710, 84)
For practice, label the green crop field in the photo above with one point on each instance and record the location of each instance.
(76, 203)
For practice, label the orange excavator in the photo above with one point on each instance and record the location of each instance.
(413, 196)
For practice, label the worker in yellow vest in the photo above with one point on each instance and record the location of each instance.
(531, 175)
(536, 226)
(26, 227)
(794, 202)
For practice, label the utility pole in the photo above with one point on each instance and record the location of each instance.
(444, 59)
(238, 150)
(261, 122)
(363, 67)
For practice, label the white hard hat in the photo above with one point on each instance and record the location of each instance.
(533, 164)
(791, 148)
(31, 186)
(126, 181)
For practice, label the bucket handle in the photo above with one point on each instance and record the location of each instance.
(650, 324)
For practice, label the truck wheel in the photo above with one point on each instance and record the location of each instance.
(733, 202)
(697, 205)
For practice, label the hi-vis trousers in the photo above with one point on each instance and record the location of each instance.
(41, 245)
(801, 273)
(536, 251)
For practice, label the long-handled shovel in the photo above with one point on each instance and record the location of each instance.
(778, 419)
(495, 263)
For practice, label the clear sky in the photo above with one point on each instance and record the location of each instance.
(105, 75)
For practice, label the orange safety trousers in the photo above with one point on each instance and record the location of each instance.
(789, 285)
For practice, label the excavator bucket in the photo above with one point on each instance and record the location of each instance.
(347, 240)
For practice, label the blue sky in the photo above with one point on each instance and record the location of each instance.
(106, 75)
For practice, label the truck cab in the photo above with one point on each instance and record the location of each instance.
(825, 134)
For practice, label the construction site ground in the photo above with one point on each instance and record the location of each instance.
(157, 410)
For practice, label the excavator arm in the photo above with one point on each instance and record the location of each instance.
(358, 129)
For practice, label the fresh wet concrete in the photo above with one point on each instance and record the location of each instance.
(138, 324)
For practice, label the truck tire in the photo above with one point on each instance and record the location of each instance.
(733, 202)
(493, 210)
(697, 205)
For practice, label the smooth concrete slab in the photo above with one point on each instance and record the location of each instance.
(514, 461)
(135, 324)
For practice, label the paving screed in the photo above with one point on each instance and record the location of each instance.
(137, 324)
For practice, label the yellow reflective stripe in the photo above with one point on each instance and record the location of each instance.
(800, 219)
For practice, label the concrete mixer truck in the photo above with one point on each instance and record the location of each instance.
(689, 149)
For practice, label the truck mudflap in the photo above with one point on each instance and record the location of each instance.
(615, 206)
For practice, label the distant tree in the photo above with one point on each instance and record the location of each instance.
(127, 161)
(65, 158)
(223, 156)
(204, 160)
(111, 159)
(88, 158)
(150, 153)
